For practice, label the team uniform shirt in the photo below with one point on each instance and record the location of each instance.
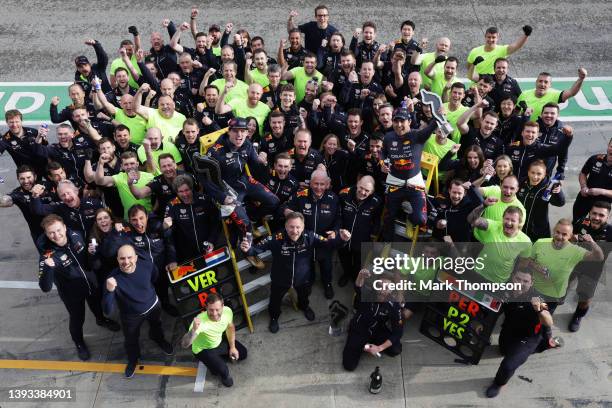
(455, 216)
(536, 224)
(165, 147)
(272, 145)
(110, 194)
(162, 192)
(438, 150)
(599, 173)
(164, 60)
(70, 274)
(238, 91)
(320, 215)
(283, 189)
(350, 96)
(210, 333)
(496, 211)
(409, 48)
(452, 117)
(300, 78)
(553, 135)
(118, 63)
(492, 146)
(523, 155)
(221, 120)
(294, 58)
(328, 61)
(260, 78)
(521, 320)
(427, 59)
(560, 264)
(404, 154)
(192, 225)
(20, 149)
(79, 219)
(291, 266)
(271, 96)
(323, 122)
(187, 151)
(137, 125)
(488, 65)
(509, 129)
(66, 113)
(360, 218)
(154, 245)
(301, 169)
(500, 251)
(241, 109)
(537, 103)
(72, 159)
(127, 198)
(508, 86)
(313, 35)
(363, 52)
(337, 166)
(232, 163)
(190, 82)
(169, 127)
(23, 199)
(439, 81)
(114, 96)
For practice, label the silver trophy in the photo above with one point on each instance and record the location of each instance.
(434, 102)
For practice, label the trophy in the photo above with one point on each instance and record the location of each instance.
(434, 102)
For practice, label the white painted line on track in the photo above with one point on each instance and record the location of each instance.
(200, 378)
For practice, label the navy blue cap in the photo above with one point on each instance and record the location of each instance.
(238, 123)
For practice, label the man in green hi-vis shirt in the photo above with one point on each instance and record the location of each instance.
(212, 336)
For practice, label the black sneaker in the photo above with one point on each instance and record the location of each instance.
(309, 314)
(329, 291)
(130, 368)
(493, 390)
(109, 324)
(343, 281)
(574, 324)
(170, 309)
(83, 351)
(273, 326)
(227, 381)
(166, 347)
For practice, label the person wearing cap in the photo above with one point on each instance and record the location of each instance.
(86, 71)
(401, 152)
(233, 151)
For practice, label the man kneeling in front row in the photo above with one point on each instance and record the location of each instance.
(212, 337)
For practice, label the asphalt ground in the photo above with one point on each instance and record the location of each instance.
(301, 365)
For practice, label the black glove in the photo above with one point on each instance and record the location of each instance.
(440, 58)
(522, 105)
(133, 30)
(418, 49)
(88, 154)
(478, 60)
(527, 29)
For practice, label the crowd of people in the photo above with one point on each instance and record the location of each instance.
(323, 137)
